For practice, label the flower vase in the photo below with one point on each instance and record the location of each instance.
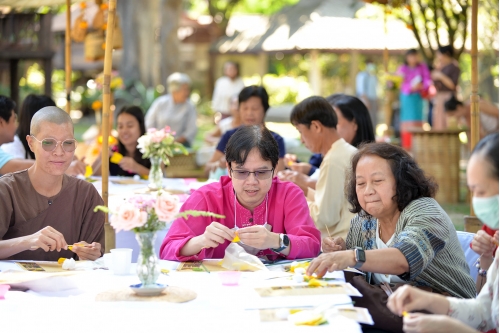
(148, 270)
(155, 173)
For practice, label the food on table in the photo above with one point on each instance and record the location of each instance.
(295, 265)
(316, 283)
(116, 158)
(307, 317)
(60, 261)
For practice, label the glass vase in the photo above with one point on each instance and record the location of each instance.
(155, 173)
(148, 270)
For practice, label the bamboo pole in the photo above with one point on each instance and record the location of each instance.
(474, 97)
(67, 55)
(110, 238)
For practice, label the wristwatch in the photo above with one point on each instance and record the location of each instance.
(360, 257)
(284, 242)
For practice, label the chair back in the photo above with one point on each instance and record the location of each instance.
(465, 238)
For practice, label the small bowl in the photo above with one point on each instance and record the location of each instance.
(148, 291)
(230, 278)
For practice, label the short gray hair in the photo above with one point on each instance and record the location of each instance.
(50, 114)
(176, 80)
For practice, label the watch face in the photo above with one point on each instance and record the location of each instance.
(286, 240)
(360, 255)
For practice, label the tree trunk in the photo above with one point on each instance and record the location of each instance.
(169, 42)
(129, 67)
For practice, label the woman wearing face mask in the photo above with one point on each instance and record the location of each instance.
(272, 217)
(452, 314)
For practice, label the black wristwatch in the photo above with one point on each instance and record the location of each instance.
(284, 242)
(359, 254)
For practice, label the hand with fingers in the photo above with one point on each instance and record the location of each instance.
(430, 323)
(87, 251)
(482, 243)
(216, 234)
(128, 164)
(259, 237)
(333, 261)
(47, 239)
(333, 244)
(408, 298)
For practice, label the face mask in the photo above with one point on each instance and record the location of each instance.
(370, 67)
(486, 210)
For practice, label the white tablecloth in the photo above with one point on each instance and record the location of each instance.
(217, 308)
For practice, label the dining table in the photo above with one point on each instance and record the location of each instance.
(70, 303)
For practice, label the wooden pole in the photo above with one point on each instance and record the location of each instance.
(474, 97)
(110, 238)
(67, 55)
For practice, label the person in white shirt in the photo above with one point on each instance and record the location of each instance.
(228, 85)
(19, 147)
(316, 122)
(175, 110)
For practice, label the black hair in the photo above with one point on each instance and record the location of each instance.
(247, 138)
(353, 109)
(488, 148)
(411, 181)
(410, 52)
(452, 104)
(137, 113)
(235, 64)
(254, 91)
(446, 50)
(314, 108)
(31, 105)
(6, 107)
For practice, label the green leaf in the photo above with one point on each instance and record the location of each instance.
(101, 208)
(196, 213)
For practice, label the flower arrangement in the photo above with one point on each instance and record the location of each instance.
(116, 81)
(160, 143)
(148, 214)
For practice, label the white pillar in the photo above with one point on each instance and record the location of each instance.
(315, 73)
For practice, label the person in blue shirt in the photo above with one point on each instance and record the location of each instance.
(253, 105)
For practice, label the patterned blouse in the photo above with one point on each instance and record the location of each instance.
(480, 313)
(427, 238)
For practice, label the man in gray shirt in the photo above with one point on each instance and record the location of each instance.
(175, 110)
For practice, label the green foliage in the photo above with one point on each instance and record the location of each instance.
(136, 93)
(266, 7)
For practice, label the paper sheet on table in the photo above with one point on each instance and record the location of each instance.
(361, 315)
(39, 281)
(259, 303)
(306, 290)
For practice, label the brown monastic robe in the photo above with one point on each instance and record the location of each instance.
(23, 211)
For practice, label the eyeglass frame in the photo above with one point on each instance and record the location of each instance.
(57, 143)
(254, 174)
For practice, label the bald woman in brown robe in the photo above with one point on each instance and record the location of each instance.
(42, 210)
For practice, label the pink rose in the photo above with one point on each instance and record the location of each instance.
(157, 136)
(128, 217)
(166, 206)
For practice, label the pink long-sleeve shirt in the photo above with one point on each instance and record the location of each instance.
(288, 213)
(409, 73)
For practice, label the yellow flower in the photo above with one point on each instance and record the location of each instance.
(96, 105)
(84, 25)
(104, 6)
(116, 158)
(83, 5)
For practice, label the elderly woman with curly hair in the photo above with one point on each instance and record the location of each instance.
(400, 233)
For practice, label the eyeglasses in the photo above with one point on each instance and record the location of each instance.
(260, 174)
(48, 144)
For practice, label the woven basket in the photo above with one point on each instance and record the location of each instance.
(184, 166)
(438, 154)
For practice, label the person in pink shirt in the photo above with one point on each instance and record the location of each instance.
(271, 217)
